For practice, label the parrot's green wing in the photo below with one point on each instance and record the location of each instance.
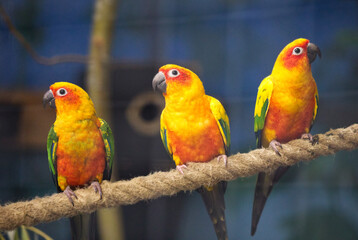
(108, 141)
(214, 197)
(315, 107)
(222, 120)
(265, 181)
(164, 136)
(52, 141)
(261, 107)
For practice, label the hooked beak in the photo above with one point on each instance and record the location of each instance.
(159, 82)
(49, 99)
(312, 52)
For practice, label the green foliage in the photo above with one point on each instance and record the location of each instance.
(24, 233)
(39, 233)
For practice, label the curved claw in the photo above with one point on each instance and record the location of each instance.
(69, 193)
(307, 136)
(313, 139)
(97, 188)
(224, 158)
(181, 167)
(274, 144)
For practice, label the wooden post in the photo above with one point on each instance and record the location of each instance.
(98, 84)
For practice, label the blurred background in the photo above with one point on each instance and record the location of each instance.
(232, 45)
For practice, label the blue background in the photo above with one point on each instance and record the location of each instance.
(232, 45)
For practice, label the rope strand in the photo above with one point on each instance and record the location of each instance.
(56, 206)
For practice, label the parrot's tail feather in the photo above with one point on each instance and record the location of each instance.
(215, 204)
(83, 226)
(264, 185)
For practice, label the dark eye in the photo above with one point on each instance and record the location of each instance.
(173, 73)
(297, 51)
(61, 92)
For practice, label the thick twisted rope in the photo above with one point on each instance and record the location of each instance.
(159, 184)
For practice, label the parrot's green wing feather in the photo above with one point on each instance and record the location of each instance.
(164, 136)
(222, 120)
(214, 197)
(315, 107)
(52, 141)
(108, 140)
(261, 107)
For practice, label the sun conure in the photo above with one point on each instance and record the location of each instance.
(80, 148)
(286, 107)
(194, 127)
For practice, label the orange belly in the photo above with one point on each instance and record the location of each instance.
(81, 165)
(201, 147)
(285, 125)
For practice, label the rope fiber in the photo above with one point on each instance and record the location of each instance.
(155, 185)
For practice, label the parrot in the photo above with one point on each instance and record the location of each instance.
(80, 149)
(194, 127)
(286, 108)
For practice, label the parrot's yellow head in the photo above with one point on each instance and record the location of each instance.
(297, 56)
(68, 98)
(173, 80)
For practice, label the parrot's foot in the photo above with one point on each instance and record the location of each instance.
(69, 193)
(224, 158)
(313, 139)
(307, 136)
(274, 144)
(181, 167)
(97, 188)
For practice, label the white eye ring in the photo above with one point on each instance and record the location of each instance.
(173, 73)
(61, 92)
(297, 51)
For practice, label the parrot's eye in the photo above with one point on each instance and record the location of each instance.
(61, 92)
(297, 51)
(173, 73)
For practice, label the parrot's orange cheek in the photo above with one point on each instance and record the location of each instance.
(293, 61)
(70, 99)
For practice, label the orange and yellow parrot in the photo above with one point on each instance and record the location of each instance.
(80, 148)
(286, 107)
(194, 127)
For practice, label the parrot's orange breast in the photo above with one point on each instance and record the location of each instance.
(195, 137)
(80, 155)
(288, 117)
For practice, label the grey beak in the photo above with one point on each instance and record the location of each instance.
(159, 82)
(49, 99)
(312, 52)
